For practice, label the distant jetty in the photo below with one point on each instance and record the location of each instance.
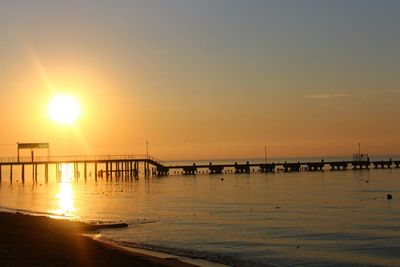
(130, 166)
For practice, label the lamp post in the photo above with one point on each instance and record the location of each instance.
(265, 153)
(147, 149)
(146, 163)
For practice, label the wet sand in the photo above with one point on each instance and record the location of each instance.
(40, 241)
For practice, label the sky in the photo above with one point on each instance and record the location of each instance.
(203, 79)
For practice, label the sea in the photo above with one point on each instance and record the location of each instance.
(323, 218)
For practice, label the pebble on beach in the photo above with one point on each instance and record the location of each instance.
(389, 196)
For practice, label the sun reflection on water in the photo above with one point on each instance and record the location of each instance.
(65, 194)
(67, 172)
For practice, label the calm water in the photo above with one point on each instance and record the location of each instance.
(285, 219)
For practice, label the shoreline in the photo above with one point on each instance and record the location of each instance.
(163, 255)
(27, 240)
(90, 230)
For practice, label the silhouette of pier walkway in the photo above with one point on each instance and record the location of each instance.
(279, 166)
(131, 166)
(109, 166)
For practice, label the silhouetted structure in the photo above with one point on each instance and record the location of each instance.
(128, 167)
(119, 167)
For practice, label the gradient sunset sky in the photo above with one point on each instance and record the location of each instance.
(203, 79)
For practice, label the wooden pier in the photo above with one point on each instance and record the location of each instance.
(129, 167)
(108, 167)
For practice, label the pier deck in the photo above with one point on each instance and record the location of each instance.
(282, 166)
(129, 166)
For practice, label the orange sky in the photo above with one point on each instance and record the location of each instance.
(202, 80)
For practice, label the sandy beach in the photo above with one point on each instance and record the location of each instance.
(40, 241)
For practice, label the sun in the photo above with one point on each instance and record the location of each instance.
(64, 109)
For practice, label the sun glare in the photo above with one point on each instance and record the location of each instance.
(64, 109)
(65, 195)
(65, 200)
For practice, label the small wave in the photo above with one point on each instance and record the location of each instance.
(37, 213)
(225, 259)
(138, 222)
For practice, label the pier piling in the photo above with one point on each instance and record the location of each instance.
(46, 172)
(95, 171)
(36, 172)
(23, 173)
(85, 171)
